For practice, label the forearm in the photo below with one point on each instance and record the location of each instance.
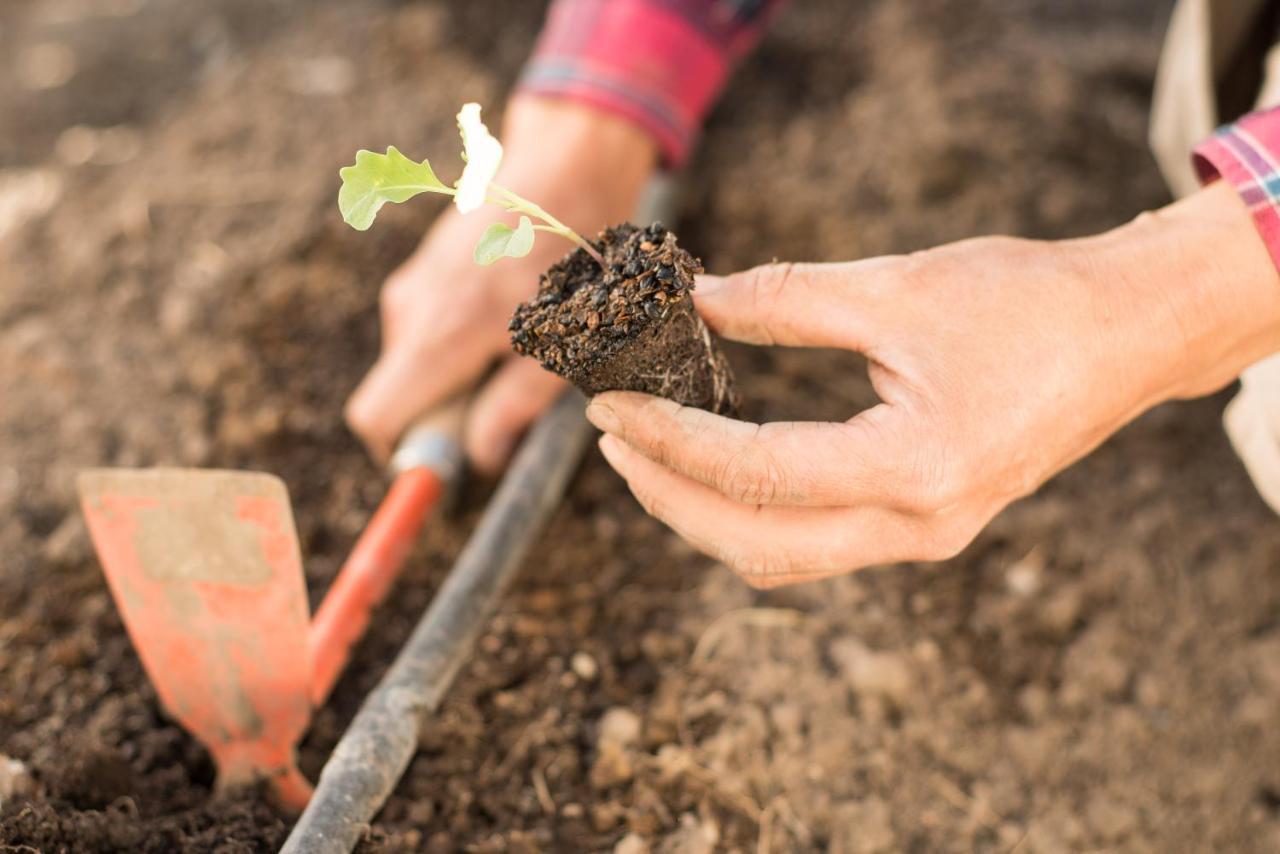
(1192, 290)
(581, 149)
(659, 64)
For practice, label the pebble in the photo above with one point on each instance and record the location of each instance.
(1093, 667)
(887, 675)
(584, 666)
(619, 726)
(612, 767)
(673, 761)
(46, 66)
(105, 146)
(26, 194)
(692, 837)
(15, 779)
(1060, 613)
(1026, 576)
(607, 816)
(632, 843)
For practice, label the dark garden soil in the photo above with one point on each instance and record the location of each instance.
(628, 326)
(1099, 671)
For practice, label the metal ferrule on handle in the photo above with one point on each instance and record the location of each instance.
(425, 446)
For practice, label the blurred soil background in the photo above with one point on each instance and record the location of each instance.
(1099, 671)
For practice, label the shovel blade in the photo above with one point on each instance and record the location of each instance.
(206, 572)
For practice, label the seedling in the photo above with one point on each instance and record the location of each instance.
(616, 313)
(376, 179)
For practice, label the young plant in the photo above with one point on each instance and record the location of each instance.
(376, 179)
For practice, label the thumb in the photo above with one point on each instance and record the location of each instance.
(401, 385)
(796, 305)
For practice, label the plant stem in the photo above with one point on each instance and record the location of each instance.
(511, 201)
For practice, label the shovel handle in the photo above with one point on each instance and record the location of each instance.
(427, 462)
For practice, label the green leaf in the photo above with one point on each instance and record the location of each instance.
(376, 179)
(503, 241)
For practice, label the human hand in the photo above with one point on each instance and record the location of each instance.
(444, 319)
(998, 362)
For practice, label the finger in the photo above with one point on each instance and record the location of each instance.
(519, 392)
(784, 463)
(767, 546)
(797, 305)
(407, 381)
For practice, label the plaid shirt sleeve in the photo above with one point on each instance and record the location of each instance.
(659, 63)
(1247, 155)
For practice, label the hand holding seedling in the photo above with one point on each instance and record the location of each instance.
(444, 319)
(998, 362)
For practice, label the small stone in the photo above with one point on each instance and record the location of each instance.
(605, 817)
(1026, 576)
(673, 762)
(620, 726)
(887, 675)
(15, 779)
(612, 767)
(1093, 667)
(927, 651)
(81, 144)
(693, 837)
(632, 843)
(573, 811)
(421, 812)
(1060, 613)
(24, 195)
(69, 652)
(585, 666)
(46, 66)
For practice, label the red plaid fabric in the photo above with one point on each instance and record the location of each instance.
(1247, 154)
(659, 63)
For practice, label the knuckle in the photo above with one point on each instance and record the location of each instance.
(765, 286)
(394, 295)
(938, 487)
(751, 475)
(945, 538)
(761, 569)
(364, 423)
(356, 414)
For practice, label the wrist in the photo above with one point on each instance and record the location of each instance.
(1194, 289)
(591, 165)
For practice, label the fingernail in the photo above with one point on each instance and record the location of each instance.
(603, 416)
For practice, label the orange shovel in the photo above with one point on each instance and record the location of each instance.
(205, 569)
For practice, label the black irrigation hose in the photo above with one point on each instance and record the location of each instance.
(377, 747)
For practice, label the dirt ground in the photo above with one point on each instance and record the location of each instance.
(1099, 671)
